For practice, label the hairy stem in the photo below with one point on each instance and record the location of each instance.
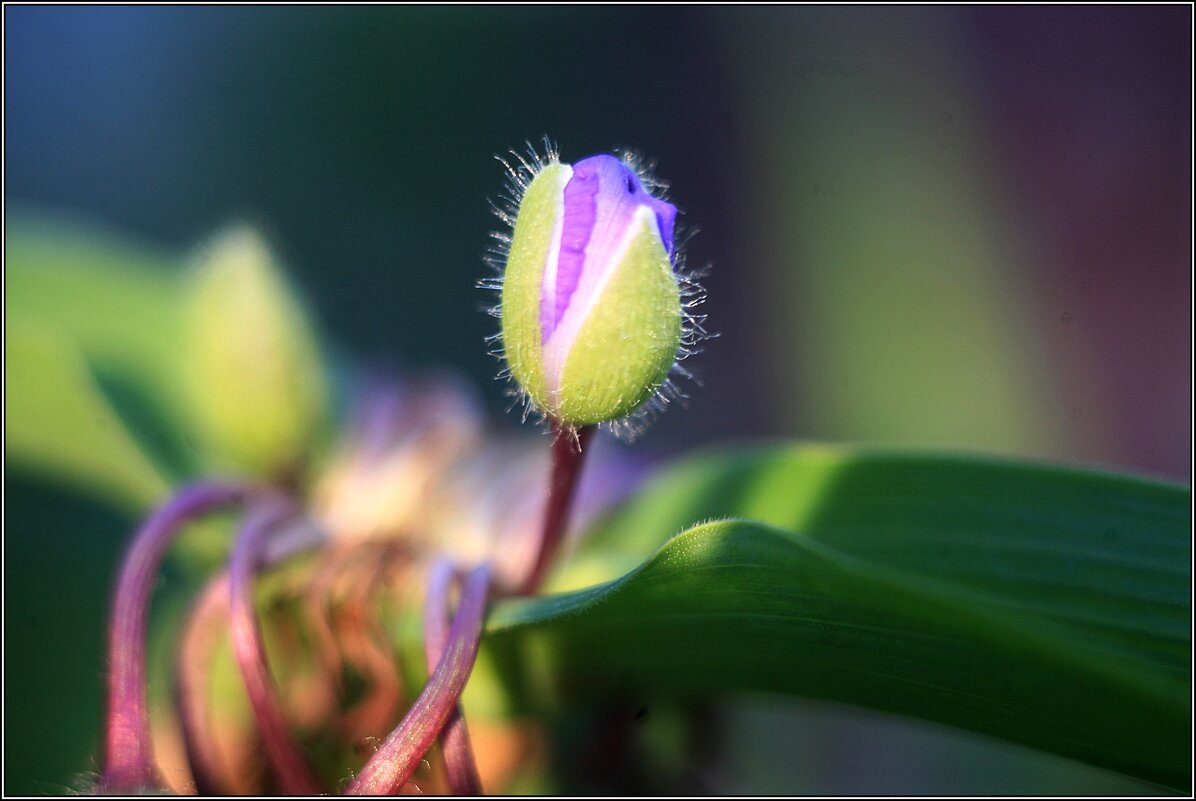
(568, 450)
(393, 763)
(294, 775)
(459, 762)
(128, 760)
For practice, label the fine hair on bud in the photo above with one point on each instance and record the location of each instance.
(597, 306)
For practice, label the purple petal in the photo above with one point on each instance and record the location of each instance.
(580, 211)
(600, 201)
(666, 219)
(129, 760)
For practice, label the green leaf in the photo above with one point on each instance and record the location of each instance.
(1045, 605)
(737, 605)
(218, 371)
(60, 425)
(119, 301)
(1103, 552)
(107, 312)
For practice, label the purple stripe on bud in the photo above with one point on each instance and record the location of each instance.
(600, 201)
(580, 211)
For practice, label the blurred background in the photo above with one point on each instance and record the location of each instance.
(967, 228)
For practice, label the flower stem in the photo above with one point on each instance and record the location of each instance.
(128, 760)
(201, 634)
(568, 450)
(294, 775)
(389, 768)
(459, 761)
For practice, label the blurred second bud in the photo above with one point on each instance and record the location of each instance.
(591, 304)
(255, 379)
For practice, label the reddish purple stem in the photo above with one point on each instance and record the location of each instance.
(294, 775)
(459, 762)
(129, 759)
(568, 449)
(389, 768)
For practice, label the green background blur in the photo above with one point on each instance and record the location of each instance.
(950, 227)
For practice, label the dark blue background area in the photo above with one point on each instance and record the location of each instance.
(363, 139)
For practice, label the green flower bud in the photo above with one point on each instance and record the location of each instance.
(591, 308)
(255, 380)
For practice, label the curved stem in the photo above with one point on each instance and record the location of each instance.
(128, 760)
(365, 643)
(294, 775)
(396, 760)
(201, 633)
(459, 762)
(568, 450)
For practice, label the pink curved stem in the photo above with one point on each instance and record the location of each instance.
(201, 633)
(568, 450)
(459, 762)
(128, 759)
(294, 775)
(396, 760)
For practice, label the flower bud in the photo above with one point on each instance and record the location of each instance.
(256, 381)
(591, 305)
